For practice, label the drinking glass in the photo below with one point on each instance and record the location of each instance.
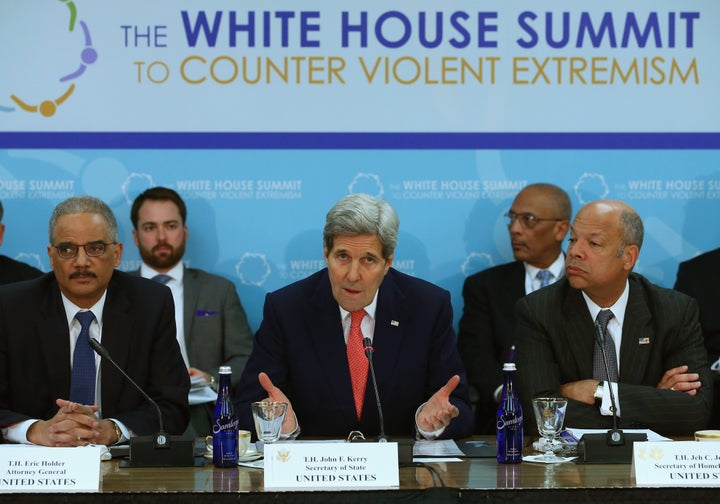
(550, 416)
(268, 417)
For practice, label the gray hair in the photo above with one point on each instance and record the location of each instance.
(632, 229)
(84, 204)
(362, 214)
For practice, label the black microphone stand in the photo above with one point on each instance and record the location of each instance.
(367, 344)
(615, 446)
(160, 450)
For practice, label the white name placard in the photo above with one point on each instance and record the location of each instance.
(25, 468)
(331, 466)
(677, 463)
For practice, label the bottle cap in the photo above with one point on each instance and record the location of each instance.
(509, 366)
(225, 370)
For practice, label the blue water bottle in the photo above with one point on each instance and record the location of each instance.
(225, 424)
(509, 421)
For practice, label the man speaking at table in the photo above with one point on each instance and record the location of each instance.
(308, 350)
(654, 353)
(54, 390)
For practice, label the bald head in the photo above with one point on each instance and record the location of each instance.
(605, 240)
(631, 227)
(554, 199)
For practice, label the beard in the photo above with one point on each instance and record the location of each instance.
(165, 260)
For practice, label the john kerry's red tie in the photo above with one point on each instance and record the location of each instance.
(357, 361)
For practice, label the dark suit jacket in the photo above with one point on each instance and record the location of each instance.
(300, 345)
(138, 332)
(486, 333)
(700, 278)
(555, 346)
(16, 271)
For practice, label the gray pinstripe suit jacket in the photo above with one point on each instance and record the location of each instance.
(555, 335)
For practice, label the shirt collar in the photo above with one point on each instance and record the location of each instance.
(618, 308)
(71, 309)
(556, 268)
(176, 272)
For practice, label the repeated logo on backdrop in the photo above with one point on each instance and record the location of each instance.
(58, 88)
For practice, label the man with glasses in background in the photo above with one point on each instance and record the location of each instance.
(538, 221)
(54, 389)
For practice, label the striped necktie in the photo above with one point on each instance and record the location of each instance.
(544, 276)
(608, 348)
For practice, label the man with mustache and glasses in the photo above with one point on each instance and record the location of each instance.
(54, 389)
(651, 338)
(538, 220)
(212, 328)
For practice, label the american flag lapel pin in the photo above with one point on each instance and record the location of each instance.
(644, 341)
(395, 323)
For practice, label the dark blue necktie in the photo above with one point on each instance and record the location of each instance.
(82, 380)
(161, 278)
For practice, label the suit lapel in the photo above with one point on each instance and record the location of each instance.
(579, 334)
(516, 284)
(191, 295)
(117, 328)
(390, 322)
(637, 336)
(54, 338)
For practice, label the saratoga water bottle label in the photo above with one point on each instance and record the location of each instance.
(509, 421)
(225, 424)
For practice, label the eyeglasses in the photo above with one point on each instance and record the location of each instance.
(92, 249)
(527, 220)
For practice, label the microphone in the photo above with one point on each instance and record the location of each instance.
(613, 447)
(614, 436)
(405, 446)
(160, 450)
(367, 344)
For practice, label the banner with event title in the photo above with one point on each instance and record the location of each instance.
(457, 66)
(262, 114)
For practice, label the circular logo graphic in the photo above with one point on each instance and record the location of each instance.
(253, 269)
(591, 187)
(368, 183)
(475, 262)
(61, 87)
(134, 185)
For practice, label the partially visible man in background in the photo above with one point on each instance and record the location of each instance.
(538, 220)
(212, 327)
(700, 278)
(10, 269)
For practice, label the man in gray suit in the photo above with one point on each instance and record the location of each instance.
(212, 328)
(654, 354)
